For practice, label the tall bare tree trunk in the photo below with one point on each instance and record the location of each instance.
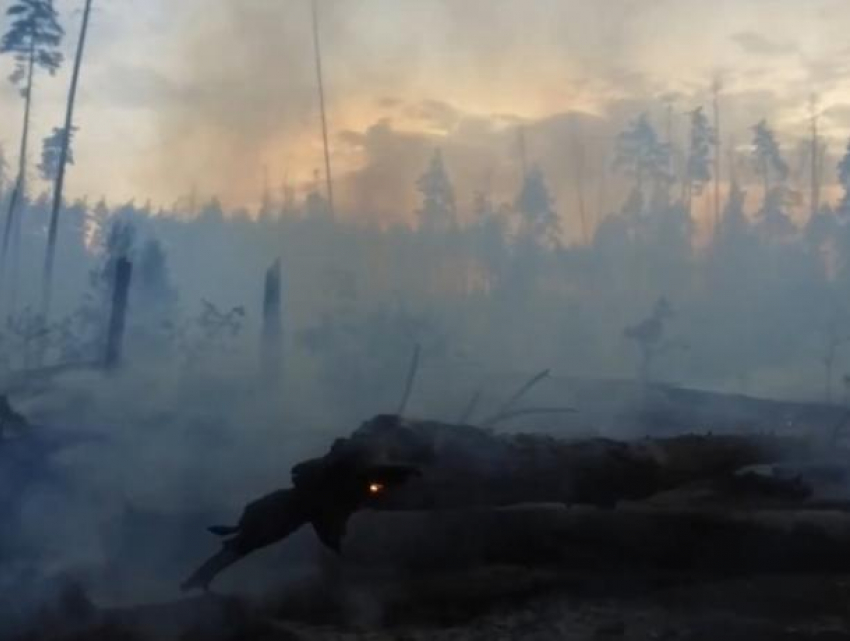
(320, 79)
(578, 150)
(815, 151)
(602, 188)
(20, 183)
(50, 256)
(765, 172)
(717, 154)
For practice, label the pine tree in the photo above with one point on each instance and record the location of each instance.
(774, 222)
(698, 169)
(767, 157)
(62, 163)
(33, 40)
(438, 210)
(51, 150)
(535, 204)
(642, 155)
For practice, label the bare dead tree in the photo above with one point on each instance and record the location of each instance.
(716, 86)
(579, 160)
(814, 197)
(317, 49)
(63, 163)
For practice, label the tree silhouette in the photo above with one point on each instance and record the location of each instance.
(488, 234)
(154, 278)
(438, 210)
(648, 335)
(773, 170)
(153, 298)
(716, 87)
(33, 41)
(317, 206)
(844, 181)
(4, 169)
(51, 150)
(68, 131)
(735, 221)
(641, 155)
(834, 338)
(535, 205)
(698, 168)
(767, 157)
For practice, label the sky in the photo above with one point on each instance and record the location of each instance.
(218, 96)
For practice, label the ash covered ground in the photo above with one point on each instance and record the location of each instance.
(105, 526)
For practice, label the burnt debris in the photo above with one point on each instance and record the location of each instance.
(395, 464)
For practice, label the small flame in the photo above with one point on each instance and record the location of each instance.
(376, 488)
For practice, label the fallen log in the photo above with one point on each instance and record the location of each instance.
(394, 464)
(465, 466)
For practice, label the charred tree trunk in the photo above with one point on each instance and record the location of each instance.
(271, 342)
(395, 465)
(118, 316)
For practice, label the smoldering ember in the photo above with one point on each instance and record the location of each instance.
(516, 319)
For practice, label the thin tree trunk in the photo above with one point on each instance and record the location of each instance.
(20, 183)
(815, 192)
(63, 161)
(602, 188)
(766, 177)
(411, 378)
(717, 155)
(578, 149)
(271, 344)
(320, 80)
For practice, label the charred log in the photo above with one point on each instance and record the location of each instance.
(394, 464)
(324, 496)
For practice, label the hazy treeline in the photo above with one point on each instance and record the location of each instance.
(759, 303)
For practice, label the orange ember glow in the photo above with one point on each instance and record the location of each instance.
(376, 488)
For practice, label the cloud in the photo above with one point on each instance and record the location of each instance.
(838, 113)
(137, 87)
(756, 44)
(435, 114)
(213, 91)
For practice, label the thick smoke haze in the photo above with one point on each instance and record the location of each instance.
(218, 97)
(520, 186)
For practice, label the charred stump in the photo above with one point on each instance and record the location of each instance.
(271, 342)
(118, 314)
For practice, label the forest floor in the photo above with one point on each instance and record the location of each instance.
(488, 603)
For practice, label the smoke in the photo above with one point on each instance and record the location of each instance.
(233, 93)
(405, 79)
